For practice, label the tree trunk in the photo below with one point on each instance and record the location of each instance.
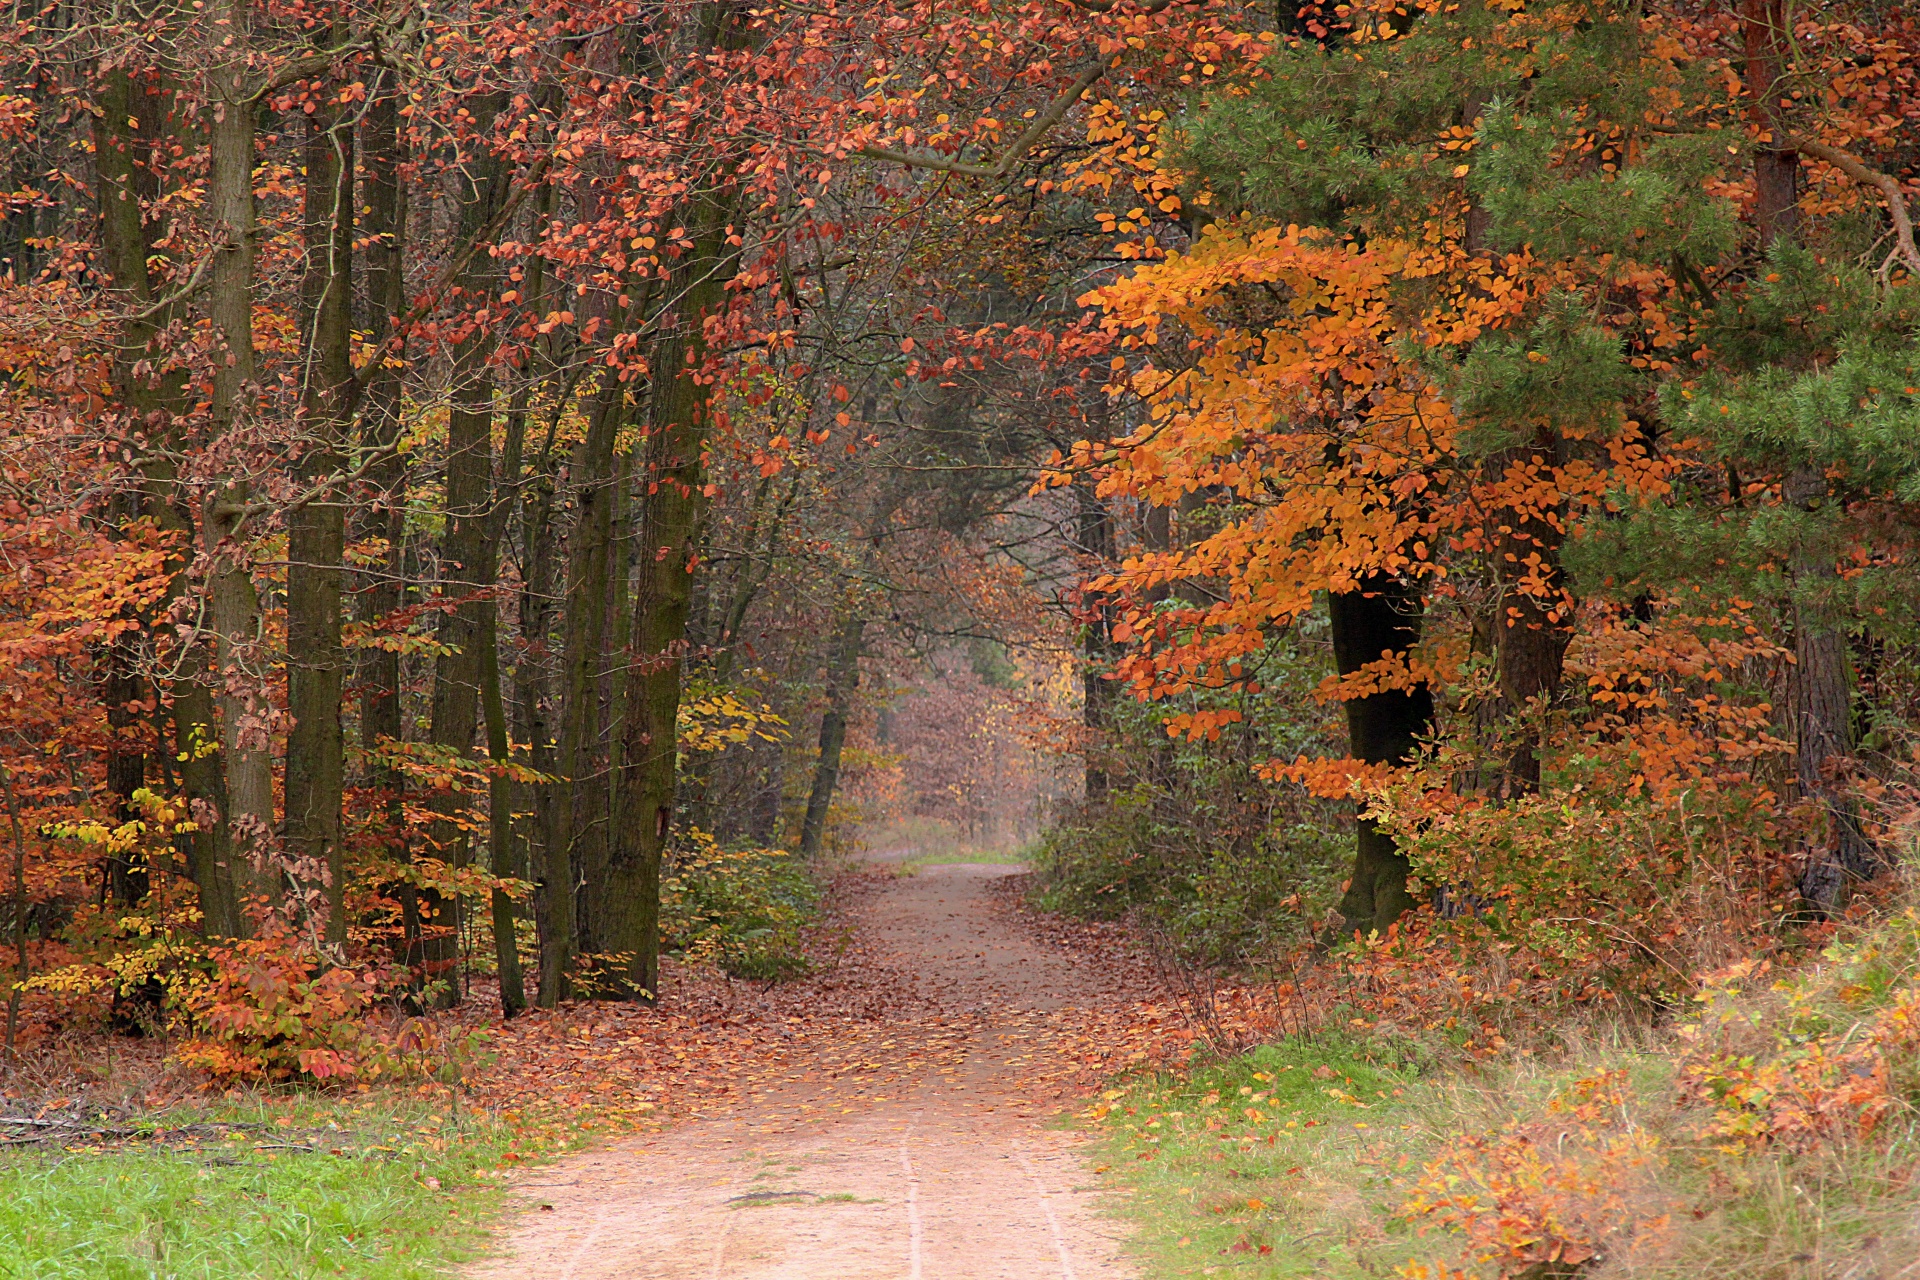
(125, 249)
(670, 529)
(316, 533)
(1380, 619)
(468, 559)
(1776, 171)
(589, 551)
(1820, 699)
(843, 677)
(532, 701)
(383, 226)
(1096, 642)
(1533, 620)
(503, 852)
(1818, 686)
(241, 667)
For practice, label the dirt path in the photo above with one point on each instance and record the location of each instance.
(930, 1160)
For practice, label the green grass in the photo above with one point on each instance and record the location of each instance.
(1296, 1161)
(391, 1189)
(923, 842)
(1267, 1166)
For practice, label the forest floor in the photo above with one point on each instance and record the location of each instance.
(894, 1116)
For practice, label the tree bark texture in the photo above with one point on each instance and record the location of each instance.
(241, 674)
(843, 678)
(1533, 613)
(316, 533)
(1380, 619)
(468, 568)
(1095, 535)
(377, 674)
(1765, 31)
(674, 494)
(1819, 696)
(589, 556)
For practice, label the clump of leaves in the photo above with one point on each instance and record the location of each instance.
(741, 910)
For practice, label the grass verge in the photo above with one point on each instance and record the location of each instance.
(1772, 1132)
(379, 1186)
(1266, 1165)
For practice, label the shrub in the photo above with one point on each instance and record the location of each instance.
(1176, 866)
(741, 910)
(270, 1008)
(1597, 882)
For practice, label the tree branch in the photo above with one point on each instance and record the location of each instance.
(454, 266)
(1887, 185)
(1013, 154)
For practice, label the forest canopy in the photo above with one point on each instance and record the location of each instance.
(1394, 469)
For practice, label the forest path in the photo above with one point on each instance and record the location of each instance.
(930, 1160)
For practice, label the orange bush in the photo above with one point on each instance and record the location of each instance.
(273, 1010)
(1546, 1198)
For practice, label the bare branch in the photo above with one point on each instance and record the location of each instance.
(1013, 154)
(1886, 184)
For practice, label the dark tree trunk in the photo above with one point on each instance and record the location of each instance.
(1776, 170)
(1380, 619)
(468, 560)
(316, 532)
(1819, 697)
(248, 862)
(378, 670)
(843, 678)
(675, 506)
(1096, 540)
(1533, 614)
(589, 553)
(127, 248)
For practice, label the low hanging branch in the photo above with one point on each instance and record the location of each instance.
(1013, 154)
(1888, 186)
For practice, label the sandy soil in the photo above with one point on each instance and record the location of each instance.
(937, 1163)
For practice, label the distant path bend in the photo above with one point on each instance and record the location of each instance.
(938, 1167)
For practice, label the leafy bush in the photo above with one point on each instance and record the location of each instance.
(741, 910)
(1196, 840)
(1173, 864)
(269, 1008)
(1595, 881)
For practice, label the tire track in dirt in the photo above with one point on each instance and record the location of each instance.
(925, 1161)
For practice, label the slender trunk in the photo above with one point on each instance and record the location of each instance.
(242, 670)
(675, 508)
(1818, 692)
(589, 547)
(532, 700)
(1765, 29)
(1379, 619)
(843, 677)
(383, 227)
(21, 969)
(595, 803)
(503, 853)
(468, 554)
(1096, 641)
(316, 533)
(126, 247)
(503, 850)
(1820, 701)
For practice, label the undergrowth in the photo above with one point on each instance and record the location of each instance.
(1769, 1130)
(742, 910)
